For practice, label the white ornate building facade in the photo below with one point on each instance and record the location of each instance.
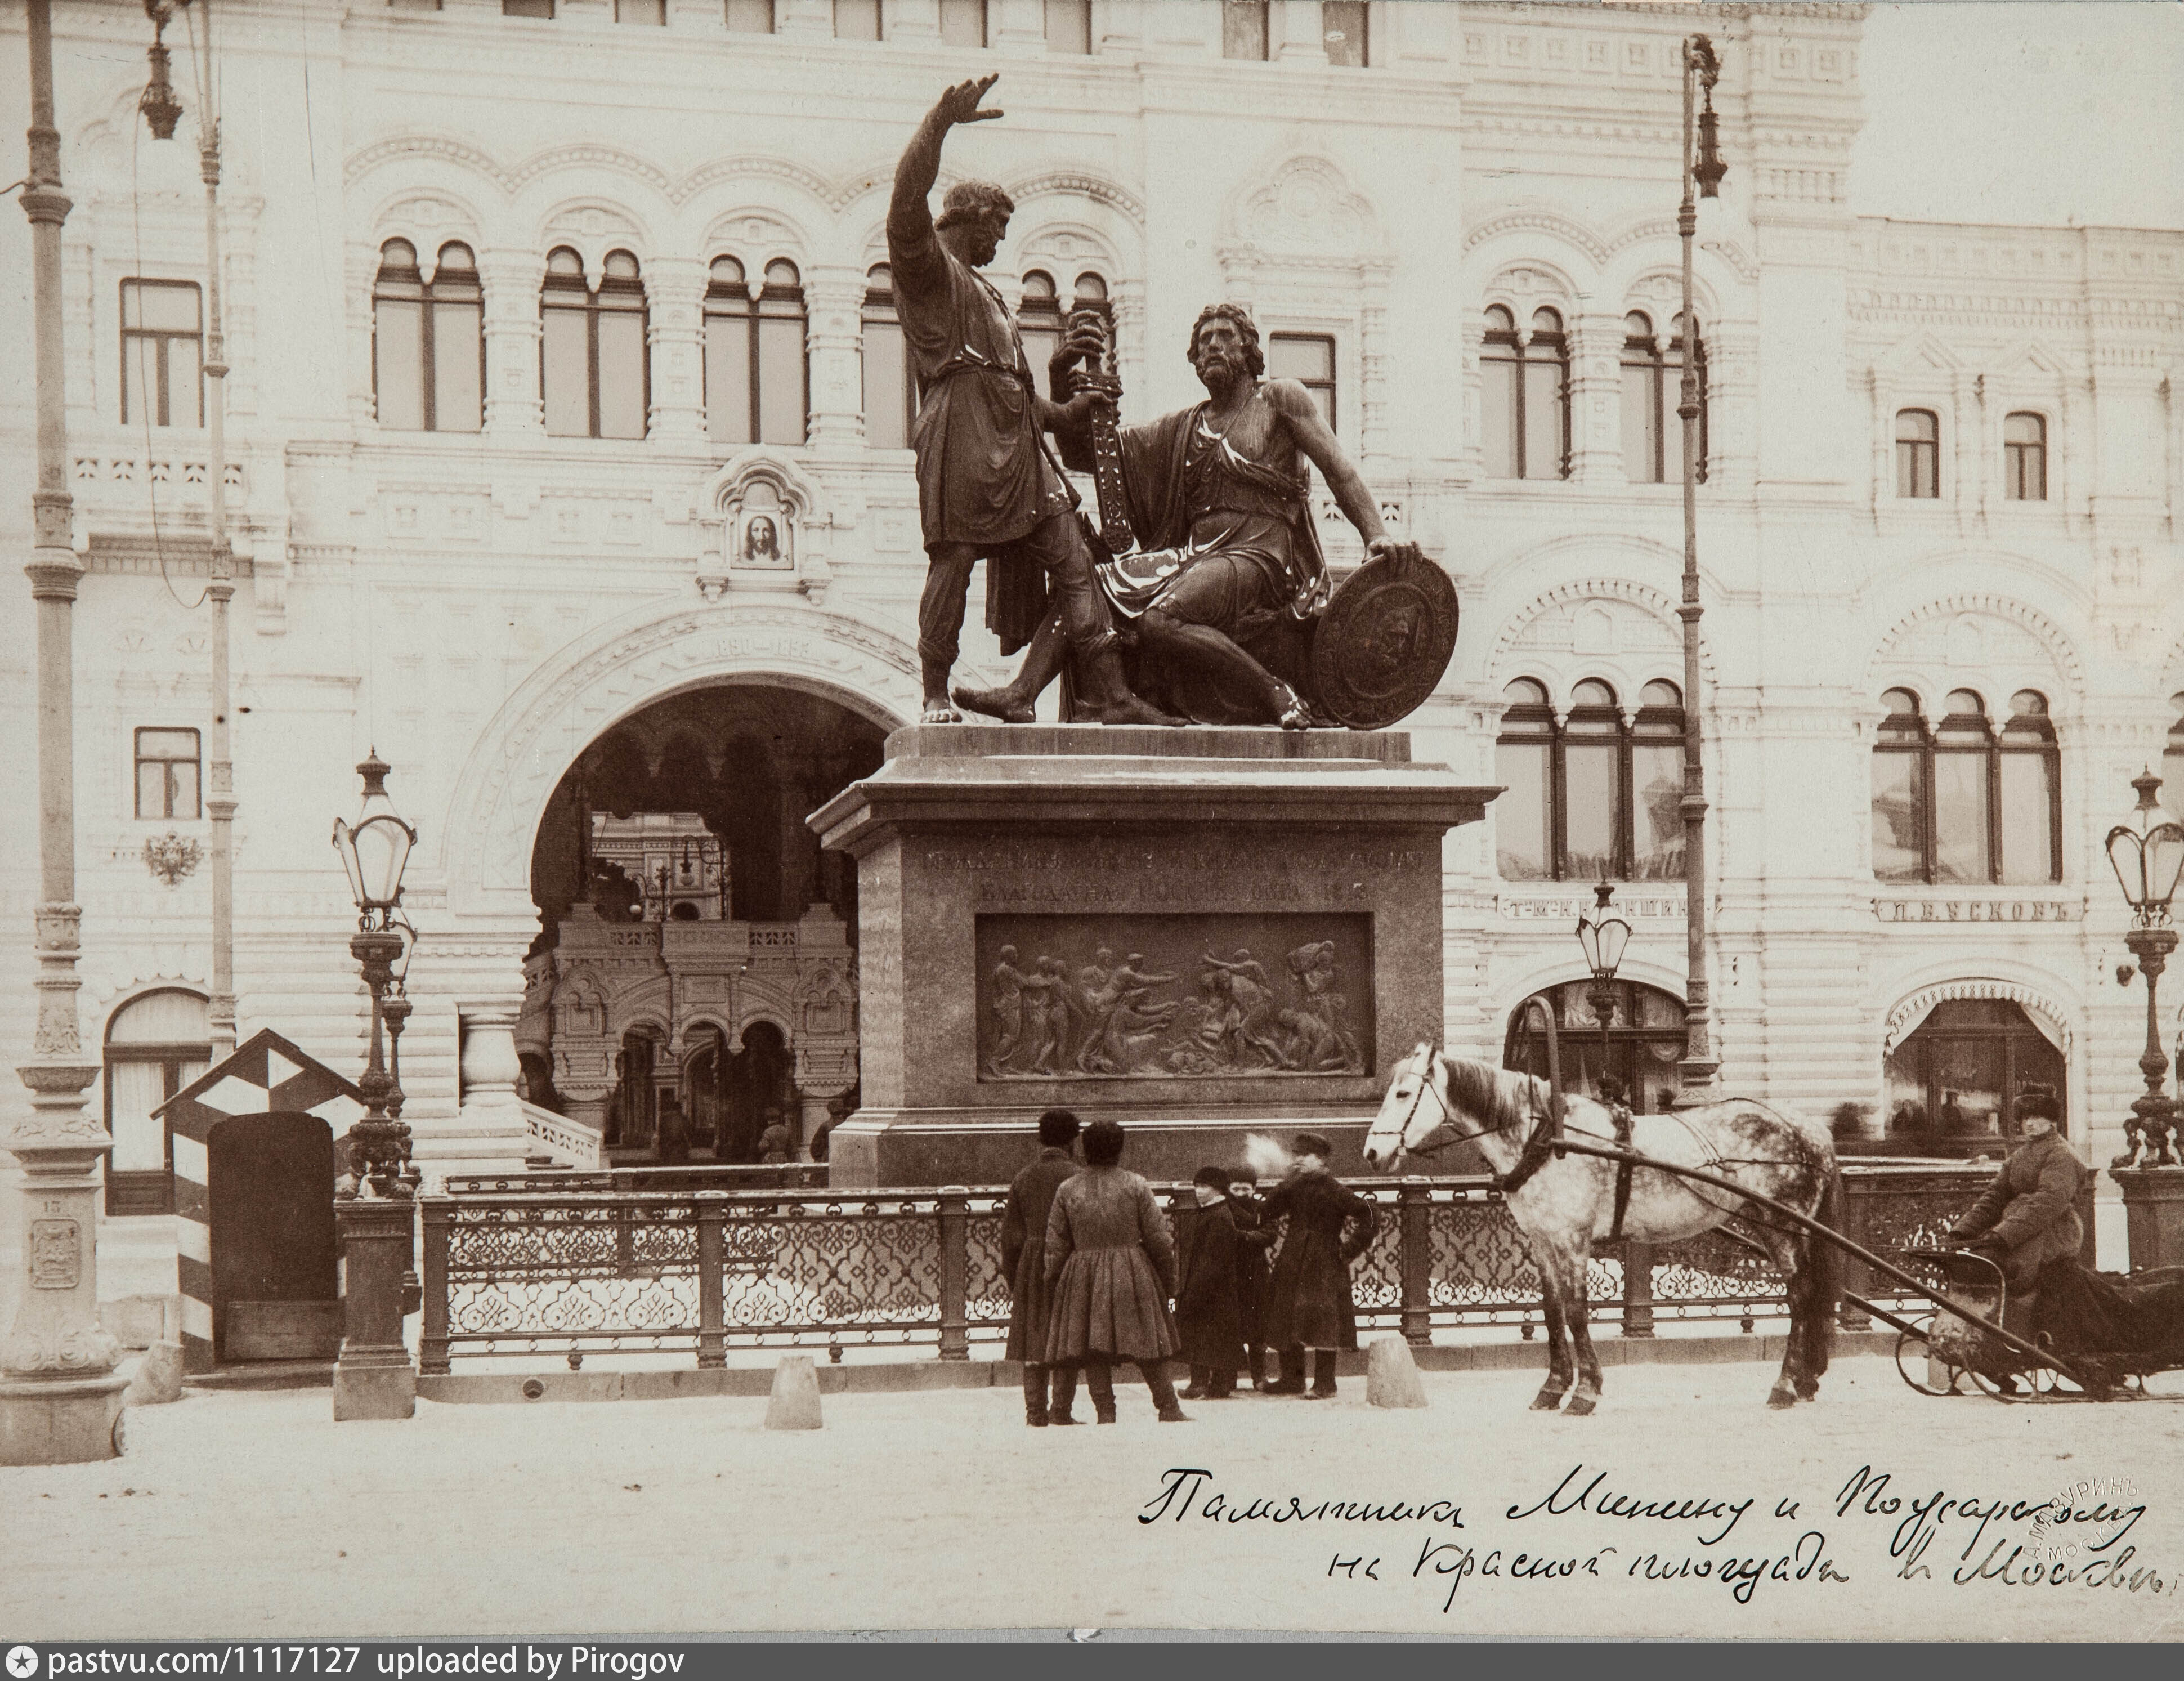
(566, 404)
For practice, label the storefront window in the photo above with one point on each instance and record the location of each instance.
(1954, 1083)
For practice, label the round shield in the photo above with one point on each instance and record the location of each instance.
(1383, 641)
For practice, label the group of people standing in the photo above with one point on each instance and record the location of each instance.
(1099, 1277)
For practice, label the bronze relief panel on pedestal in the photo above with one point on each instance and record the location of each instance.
(1168, 997)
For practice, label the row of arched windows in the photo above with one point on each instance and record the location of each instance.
(1593, 795)
(1524, 401)
(1958, 800)
(428, 347)
(1919, 456)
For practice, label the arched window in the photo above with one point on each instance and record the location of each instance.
(1589, 797)
(1955, 1082)
(1244, 29)
(890, 392)
(756, 372)
(1524, 402)
(155, 1045)
(1039, 321)
(1652, 391)
(1918, 454)
(1644, 1041)
(428, 341)
(2025, 457)
(1960, 802)
(594, 369)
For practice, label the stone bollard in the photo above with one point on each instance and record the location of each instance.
(158, 1377)
(1391, 1375)
(794, 1403)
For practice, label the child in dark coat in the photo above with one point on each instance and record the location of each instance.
(1309, 1303)
(1248, 1213)
(1209, 1309)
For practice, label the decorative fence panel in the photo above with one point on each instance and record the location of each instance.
(563, 1265)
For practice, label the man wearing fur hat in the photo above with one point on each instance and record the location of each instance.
(2029, 1214)
(1024, 1252)
(987, 487)
(1308, 1304)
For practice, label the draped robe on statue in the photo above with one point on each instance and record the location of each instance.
(1194, 498)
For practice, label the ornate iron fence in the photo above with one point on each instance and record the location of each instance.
(558, 1264)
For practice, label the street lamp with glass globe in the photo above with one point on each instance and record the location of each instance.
(1603, 938)
(2146, 852)
(374, 1207)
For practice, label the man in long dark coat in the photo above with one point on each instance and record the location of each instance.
(1308, 1302)
(986, 486)
(2029, 1214)
(1024, 1252)
(1211, 1254)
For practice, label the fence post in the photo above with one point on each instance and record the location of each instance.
(1851, 1221)
(954, 1270)
(439, 1213)
(1415, 1217)
(1637, 1288)
(712, 1210)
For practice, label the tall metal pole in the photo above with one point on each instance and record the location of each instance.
(1698, 1064)
(59, 1401)
(219, 798)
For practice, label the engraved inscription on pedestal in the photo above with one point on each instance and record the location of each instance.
(1167, 997)
(56, 1254)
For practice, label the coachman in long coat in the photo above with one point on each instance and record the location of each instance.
(1024, 1252)
(1111, 1270)
(1308, 1303)
(2029, 1214)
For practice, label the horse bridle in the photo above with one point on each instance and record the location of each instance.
(1447, 1118)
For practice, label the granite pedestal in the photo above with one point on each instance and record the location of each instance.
(1199, 932)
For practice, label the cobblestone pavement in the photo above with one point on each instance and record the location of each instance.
(253, 1515)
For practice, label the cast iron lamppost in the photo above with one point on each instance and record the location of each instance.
(2146, 852)
(375, 1203)
(1602, 937)
(1703, 170)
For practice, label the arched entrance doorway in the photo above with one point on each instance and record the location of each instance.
(697, 948)
(1954, 1079)
(1640, 1047)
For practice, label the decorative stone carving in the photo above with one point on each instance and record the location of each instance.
(767, 506)
(172, 857)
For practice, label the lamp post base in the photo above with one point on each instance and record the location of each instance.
(374, 1378)
(59, 1420)
(2154, 1215)
(368, 1388)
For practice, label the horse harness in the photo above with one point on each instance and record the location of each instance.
(1624, 1170)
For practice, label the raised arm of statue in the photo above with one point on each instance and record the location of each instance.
(910, 218)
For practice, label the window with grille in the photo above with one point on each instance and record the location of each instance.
(162, 354)
(1039, 321)
(1524, 396)
(1918, 454)
(1961, 801)
(1344, 24)
(167, 762)
(428, 341)
(1589, 796)
(1307, 358)
(594, 371)
(2025, 457)
(890, 392)
(1069, 26)
(155, 1046)
(1244, 29)
(757, 380)
(1652, 392)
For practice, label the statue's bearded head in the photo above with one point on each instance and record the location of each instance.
(1224, 346)
(975, 215)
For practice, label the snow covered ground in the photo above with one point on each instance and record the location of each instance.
(251, 1514)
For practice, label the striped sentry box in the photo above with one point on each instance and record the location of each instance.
(266, 1075)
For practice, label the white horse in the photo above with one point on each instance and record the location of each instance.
(1562, 1202)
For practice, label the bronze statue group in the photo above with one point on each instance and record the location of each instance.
(1099, 1276)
